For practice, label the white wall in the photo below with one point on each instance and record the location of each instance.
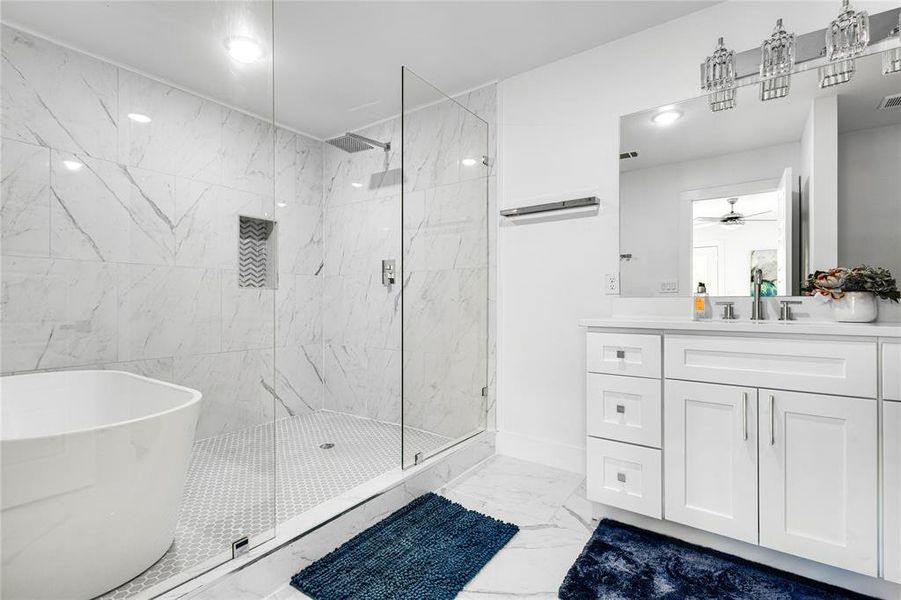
(821, 160)
(560, 134)
(869, 209)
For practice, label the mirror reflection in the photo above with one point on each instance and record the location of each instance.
(802, 183)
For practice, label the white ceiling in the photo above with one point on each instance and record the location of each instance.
(337, 64)
(753, 124)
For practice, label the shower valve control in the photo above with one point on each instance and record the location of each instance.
(388, 272)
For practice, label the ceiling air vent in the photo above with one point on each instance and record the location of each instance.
(627, 155)
(893, 101)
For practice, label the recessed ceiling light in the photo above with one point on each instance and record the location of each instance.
(243, 49)
(468, 162)
(356, 185)
(139, 118)
(73, 165)
(667, 117)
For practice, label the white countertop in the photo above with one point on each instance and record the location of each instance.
(877, 329)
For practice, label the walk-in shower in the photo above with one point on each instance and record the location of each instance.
(166, 223)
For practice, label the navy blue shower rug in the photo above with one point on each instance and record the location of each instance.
(427, 550)
(621, 562)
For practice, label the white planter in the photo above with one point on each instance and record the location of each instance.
(856, 307)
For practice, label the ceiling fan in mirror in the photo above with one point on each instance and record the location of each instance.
(733, 219)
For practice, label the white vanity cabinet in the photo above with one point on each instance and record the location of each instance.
(891, 452)
(818, 478)
(770, 433)
(711, 458)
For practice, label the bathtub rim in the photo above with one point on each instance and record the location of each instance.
(196, 396)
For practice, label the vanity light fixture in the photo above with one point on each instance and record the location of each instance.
(718, 78)
(243, 49)
(468, 162)
(667, 117)
(891, 59)
(73, 165)
(777, 57)
(139, 118)
(846, 38)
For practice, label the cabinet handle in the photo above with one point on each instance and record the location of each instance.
(744, 415)
(772, 420)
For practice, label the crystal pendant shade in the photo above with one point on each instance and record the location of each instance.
(718, 78)
(846, 37)
(891, 59)
(776, 62)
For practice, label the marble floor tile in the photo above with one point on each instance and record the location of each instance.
(554, 519)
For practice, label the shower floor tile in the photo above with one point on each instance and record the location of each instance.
(230, 481)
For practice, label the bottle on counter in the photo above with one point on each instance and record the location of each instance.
(701, 303)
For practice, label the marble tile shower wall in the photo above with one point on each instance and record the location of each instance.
(129, 261)
(444, 239)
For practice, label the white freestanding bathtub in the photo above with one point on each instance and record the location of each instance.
(94, 465)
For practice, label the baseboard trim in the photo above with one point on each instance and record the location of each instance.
(541, 451)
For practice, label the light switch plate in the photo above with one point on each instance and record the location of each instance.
(669, 286)
(611, 283)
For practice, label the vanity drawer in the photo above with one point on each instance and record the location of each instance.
(625, 409)
(828, 366)
(625, 476)
(624, 354)
(891, 370)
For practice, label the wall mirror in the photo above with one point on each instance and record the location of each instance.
(804, 182)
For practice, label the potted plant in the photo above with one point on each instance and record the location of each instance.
(853, 291)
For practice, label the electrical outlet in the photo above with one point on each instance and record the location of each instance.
(669, 286)
(611, 283)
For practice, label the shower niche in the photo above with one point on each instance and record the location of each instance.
(256, 253)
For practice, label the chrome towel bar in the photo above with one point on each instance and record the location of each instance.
(551, 206)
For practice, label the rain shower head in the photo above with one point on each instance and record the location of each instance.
(351, 142)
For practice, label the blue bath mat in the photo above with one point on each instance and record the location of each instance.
(428, 550)
(626, 563)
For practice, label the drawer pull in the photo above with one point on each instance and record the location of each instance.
(621, 409)
(621, 477)
(620, 354)
(744, 415)
(772, 420)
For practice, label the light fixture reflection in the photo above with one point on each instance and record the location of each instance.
(73, 165)
(667, 117)
(243, 49)
(356, 184)
(468, 162)
(139, 118)
(891, 59)
(281, 204)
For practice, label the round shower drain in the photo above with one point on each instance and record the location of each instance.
(327, 446)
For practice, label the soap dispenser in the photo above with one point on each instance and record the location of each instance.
(701, 303)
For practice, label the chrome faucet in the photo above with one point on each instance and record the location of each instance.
(757, 305)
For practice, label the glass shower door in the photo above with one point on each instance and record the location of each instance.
(444, 270)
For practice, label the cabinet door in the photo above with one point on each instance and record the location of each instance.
(818, 485)
(710, 443)
(891, 415)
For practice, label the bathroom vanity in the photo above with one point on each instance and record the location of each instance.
(782, 435)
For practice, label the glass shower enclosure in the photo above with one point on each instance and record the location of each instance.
(328, 297)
